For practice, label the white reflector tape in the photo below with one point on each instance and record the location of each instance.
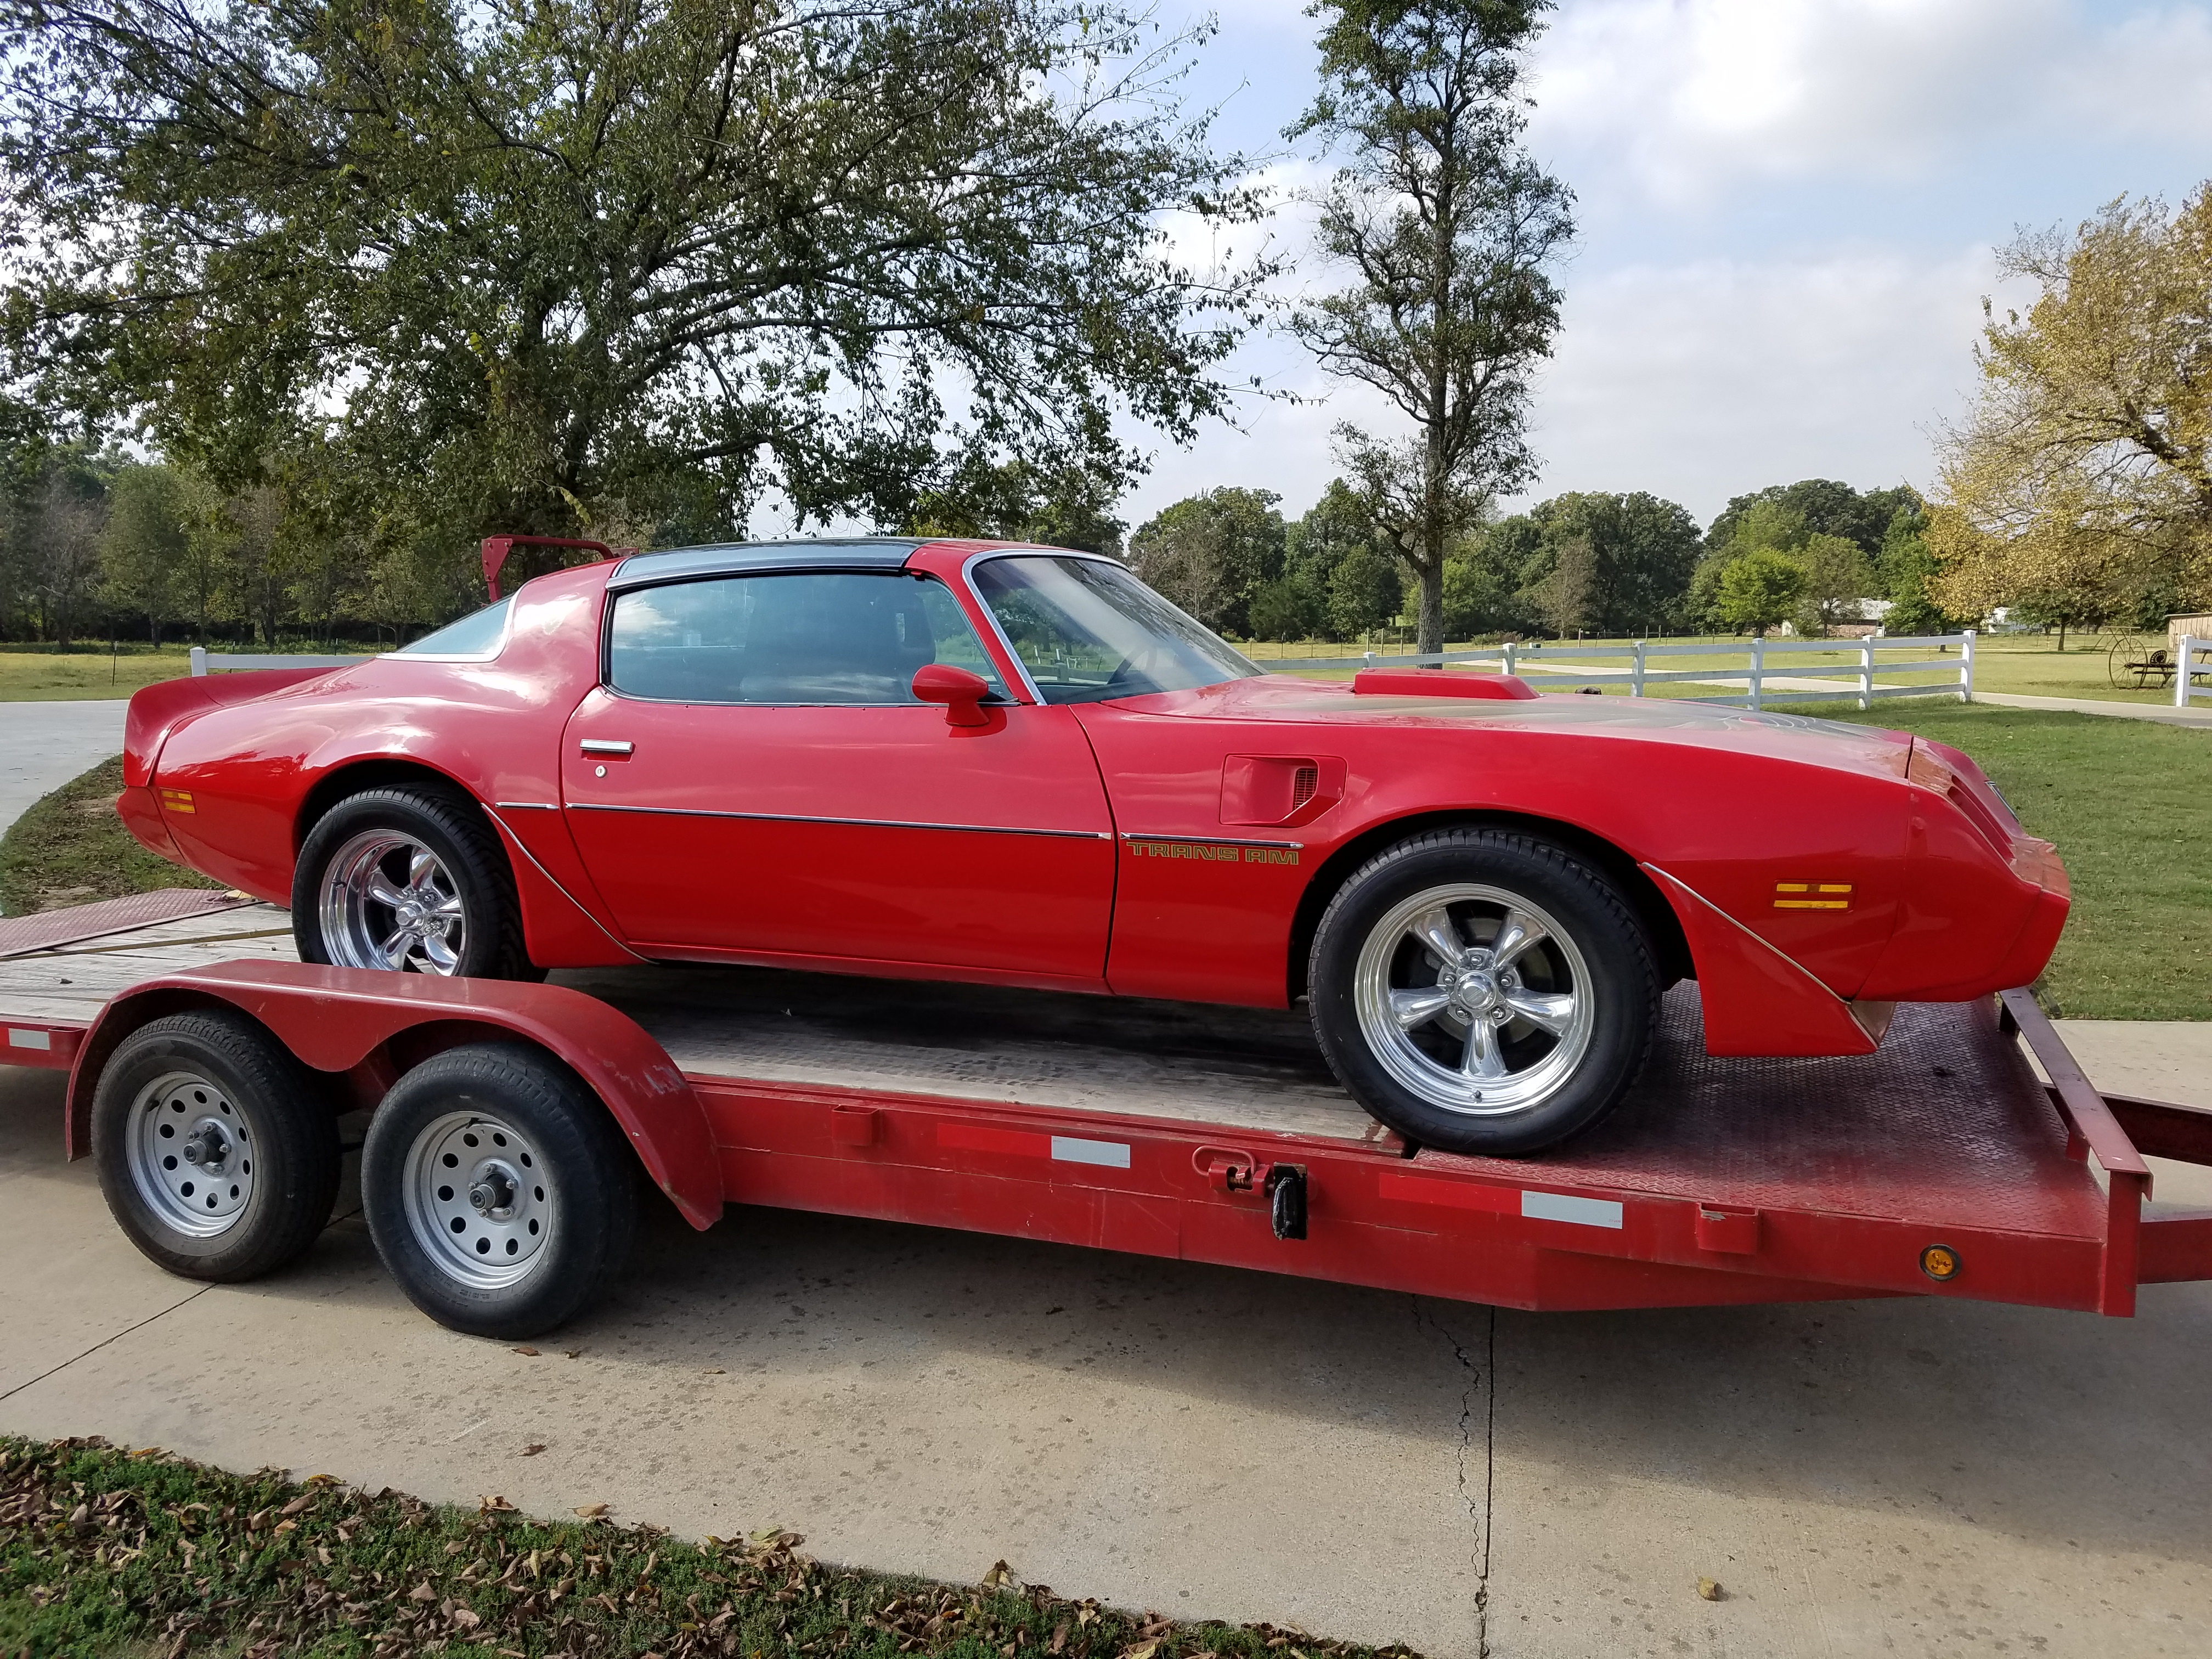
(1114, 1154)
(46, 1040)
(1557, 1206)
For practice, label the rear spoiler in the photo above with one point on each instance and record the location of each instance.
(496, 548)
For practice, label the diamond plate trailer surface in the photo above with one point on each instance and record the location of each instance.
(1940, 1166)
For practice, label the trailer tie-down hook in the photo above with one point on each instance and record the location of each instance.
(1228, 1169)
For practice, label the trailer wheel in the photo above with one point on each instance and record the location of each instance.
(1483, 991)
(500, 1194)
(412, 879)
(217, 1152)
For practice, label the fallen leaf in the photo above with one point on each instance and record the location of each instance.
(1000, 1577)
(572, 1353)
(1710, 1589)
(527, 1352)
(466, 1618)
(422, 1592)
(1142, 1650)
(712, 1370)
(590, 1511)
(1059, 1635)
(533, 1448)
(494, 1506)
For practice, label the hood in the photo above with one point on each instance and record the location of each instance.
(1283, 698)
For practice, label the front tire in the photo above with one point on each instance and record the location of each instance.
(1482, 992)
(500, 1194)
(217, 1151)
(411, 879)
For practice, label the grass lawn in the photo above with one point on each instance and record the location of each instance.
(107, 1552)
(70, 848)
(2129, 805)
(41, 674)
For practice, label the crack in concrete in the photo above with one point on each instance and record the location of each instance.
(115, 1337)
(1481, 1379)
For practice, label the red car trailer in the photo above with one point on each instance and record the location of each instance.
(1940, 1166)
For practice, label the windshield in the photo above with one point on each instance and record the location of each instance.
(474, 635)
(1087, 630)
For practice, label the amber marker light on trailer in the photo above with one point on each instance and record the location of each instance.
(1939, 1262)
(1812, 895)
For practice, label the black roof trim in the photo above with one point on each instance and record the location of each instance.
(758, 558)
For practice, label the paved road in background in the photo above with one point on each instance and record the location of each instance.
(44, 745)
(1923, 1477)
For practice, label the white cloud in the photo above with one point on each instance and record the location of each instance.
(1680, 98)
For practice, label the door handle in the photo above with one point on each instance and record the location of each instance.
(607, 746)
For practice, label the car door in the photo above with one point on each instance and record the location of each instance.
(755, 780)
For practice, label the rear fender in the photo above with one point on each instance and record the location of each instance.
(365, 1026)
(156, 710)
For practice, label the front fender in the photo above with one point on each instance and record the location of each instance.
(339, 1019)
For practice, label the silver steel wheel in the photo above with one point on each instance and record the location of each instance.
(478, 1199)
(1475, 1000)
(387, 901)
(191, 1155)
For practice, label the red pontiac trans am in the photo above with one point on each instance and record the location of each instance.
(1018, 765)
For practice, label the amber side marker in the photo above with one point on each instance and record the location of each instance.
(177, 800)
(1939, 1262)
(1812, 895)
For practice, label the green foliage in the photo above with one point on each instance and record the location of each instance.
(1613, 564)
(621, 270)
(104, 1551)
(1837, 575)
(1448, 229)
(1820, 507)
(1760, 590)
(1015, 501)
(1213, 554)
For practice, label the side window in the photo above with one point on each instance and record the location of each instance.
(829, 637)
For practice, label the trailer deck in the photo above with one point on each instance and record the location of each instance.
(1940, 1166)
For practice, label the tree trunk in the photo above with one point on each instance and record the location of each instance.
(1432, 631)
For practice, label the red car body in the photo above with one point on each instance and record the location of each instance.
(1178, 844)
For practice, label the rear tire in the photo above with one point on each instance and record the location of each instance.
(500, 1195)
(1482, 992)
(216, 1150)
(411, 879)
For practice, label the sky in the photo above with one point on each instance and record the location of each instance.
(1788, 215)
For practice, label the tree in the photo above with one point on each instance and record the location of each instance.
(1212, 553)
(1449, 230)
(1566, 595)
(141, 551)
(1637, 554)
(1824, 507)
(1015, 501)
(562, 267)
(1339, 567)
(2086, 467)
(1836, 576)
(1760, 590)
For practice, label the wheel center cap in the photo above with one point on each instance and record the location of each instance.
(1475, 991)
(492, 1194)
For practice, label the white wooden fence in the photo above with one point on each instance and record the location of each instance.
(2192, 663)
(220, 662)
(1766, 676)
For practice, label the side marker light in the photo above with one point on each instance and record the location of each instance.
(1812, 895)
(1940, 1263)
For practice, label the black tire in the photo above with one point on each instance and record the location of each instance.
(452, 827)
(266, 1162)
(508, 1117)
(1590, 974)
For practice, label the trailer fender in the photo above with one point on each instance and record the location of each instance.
(344, 1019)
(1758, 1001)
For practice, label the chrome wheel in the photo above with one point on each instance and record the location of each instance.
(387, 901)
(191, 1154)
(478, 1199)
(1475, 1000)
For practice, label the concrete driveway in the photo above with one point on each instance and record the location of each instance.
(1934, 1478)
(44, 745)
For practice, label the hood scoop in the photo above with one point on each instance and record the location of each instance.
(1438, 683)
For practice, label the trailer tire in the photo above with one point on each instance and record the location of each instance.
(1483, 991)
(216, 1150)
(500, 1195)
(391, 878)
